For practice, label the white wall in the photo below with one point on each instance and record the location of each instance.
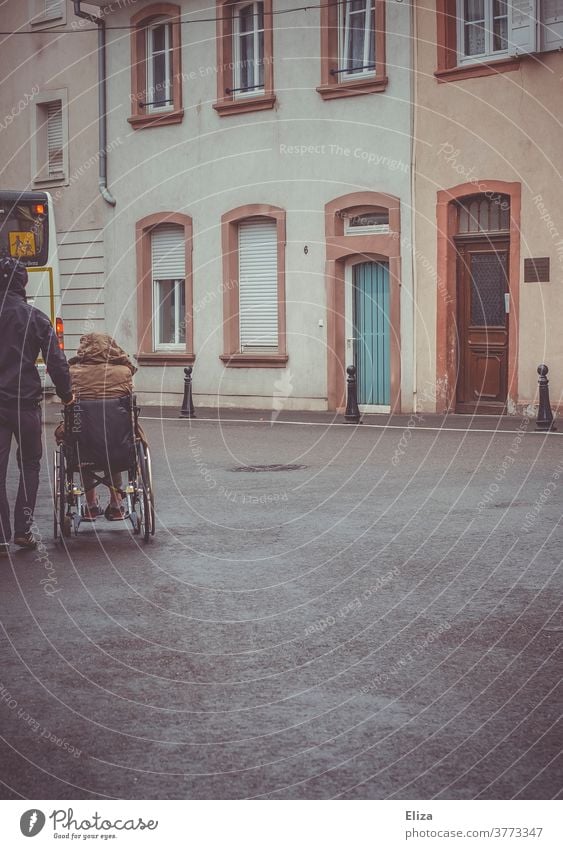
(208, 165)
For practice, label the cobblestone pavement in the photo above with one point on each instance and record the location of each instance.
(380, 620)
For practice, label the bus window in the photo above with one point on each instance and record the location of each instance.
(24, 231)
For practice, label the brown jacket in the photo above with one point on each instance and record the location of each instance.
(101, 369)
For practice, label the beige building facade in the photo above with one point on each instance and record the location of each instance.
(488, 222)
(299, 191)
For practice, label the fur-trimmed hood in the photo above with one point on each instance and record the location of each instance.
(98, 348)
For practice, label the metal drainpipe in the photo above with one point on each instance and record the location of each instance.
(102, 109)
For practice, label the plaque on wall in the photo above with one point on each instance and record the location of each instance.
(536, 270)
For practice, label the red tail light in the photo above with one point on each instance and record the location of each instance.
(60, 331)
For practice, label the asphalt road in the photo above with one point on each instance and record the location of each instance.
(382, 621)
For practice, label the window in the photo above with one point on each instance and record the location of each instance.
(53, 8)
(164, 289)
(357, 37)
(484, 214)
(169, 287)
(156, 95)
(55, 167)
(364, 222)
(50, 138)
(254, 287)
(244, 57)
(352, 47)
(483, 37)
(551, 24)
(159, 66)
(48, 13)
(483, 29)
(258, 284)
(249, 49)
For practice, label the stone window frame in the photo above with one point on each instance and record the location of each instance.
(140, 118)
(232, 356)
(145, 337)
(331, 88)
(227, 103)
(39, 138)
(448, 69)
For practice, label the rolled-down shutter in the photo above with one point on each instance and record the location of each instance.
(258, 283)
(168, 253)
(53, 8)
(55, 138)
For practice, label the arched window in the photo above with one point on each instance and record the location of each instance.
(487, 213)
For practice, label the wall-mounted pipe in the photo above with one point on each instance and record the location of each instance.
(102, 102)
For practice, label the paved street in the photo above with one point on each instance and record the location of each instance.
(380, 621)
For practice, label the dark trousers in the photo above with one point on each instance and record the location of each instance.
(25, 425)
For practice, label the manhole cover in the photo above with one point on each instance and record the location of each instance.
(276, 467)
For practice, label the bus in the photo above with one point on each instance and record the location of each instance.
(28, 233)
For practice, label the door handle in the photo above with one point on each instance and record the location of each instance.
(351, 339)
(507, 302)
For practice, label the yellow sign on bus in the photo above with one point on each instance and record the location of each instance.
(22, 243)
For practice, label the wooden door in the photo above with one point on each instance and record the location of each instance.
(483, 306)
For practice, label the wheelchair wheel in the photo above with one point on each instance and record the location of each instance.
(65, 522)
(56, 492)
(151, 491)
(143, 506)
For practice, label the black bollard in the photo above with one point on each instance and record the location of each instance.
(544, 420)
(187, 411)
(352, 414)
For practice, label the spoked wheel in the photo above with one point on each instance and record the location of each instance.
(62, 522)
(56, 493)
(65, 520)
(150, 490)
(143, 506)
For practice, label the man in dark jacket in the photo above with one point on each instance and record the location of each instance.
(24, 332)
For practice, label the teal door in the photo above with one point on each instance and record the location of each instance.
(370, 284)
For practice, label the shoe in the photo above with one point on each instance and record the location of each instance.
(115, 514)
(4, 549)
(90, 512)
(26, 540)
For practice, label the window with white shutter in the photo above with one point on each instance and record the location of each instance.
(168, 252)
(53, 8)
(49, 140)
(55, 141)
(551, 27)
(258, 284)
(47, 13)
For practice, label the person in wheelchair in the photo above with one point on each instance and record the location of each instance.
(100, 369)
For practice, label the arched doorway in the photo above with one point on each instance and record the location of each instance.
(363, 240)
(483, 303)
(368, 331)
(478, 264)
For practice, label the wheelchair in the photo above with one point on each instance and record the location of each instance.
(102, 437)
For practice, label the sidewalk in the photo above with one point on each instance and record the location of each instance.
(423, 421)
